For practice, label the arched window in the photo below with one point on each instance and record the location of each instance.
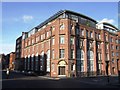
(28, 62)
(82, 54)
(32, 60)
(42, 60)
(36, 61)
(25, 63)
(90, 54)
(90, 61)
(48, 60)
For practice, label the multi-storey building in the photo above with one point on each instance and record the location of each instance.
(12, 61)
(68, 43)
(18, 61)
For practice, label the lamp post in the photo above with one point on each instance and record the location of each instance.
(107, 64)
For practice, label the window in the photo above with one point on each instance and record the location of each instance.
(32, 41)
(99, 36)
(62, 26)
(53, 54)
(72, 40)
(96, 35)
(62, 41)
(32, 65)
(82, 31)
(112, 53)
(106, 38)
(62, 53)
(112, 47)
(117, 47)
(28, 63)
(86, 33)
(117, 54)
(47, 34)
(111, 40)
(91, 34)
(90, 54)
(91, 65)
(53, 41)
(48, 61)
(77, 30)
(42, 37)
(82, 54)
(37, 38)
(82, 65)
(112, 60)
(106, 46)
(81, 42)
(72, 54)
(53, 28)
(116, 41)
(29, 42)
(99, 56)
(36, 62)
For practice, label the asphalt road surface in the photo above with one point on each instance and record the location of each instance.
(18, 80)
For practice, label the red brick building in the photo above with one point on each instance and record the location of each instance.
(12, 60)
(69, 43)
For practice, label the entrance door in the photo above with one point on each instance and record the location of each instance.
(61, 70)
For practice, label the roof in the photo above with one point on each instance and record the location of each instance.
(60, 13)
(105, 23)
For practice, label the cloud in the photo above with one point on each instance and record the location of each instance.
(107, 20)
(27, 18)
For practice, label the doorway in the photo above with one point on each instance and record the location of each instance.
(61, 70)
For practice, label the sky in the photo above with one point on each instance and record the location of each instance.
(23, 16)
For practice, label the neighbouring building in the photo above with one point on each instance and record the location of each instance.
(12, 61)
(4, 61)
(69, 43)
(18, 60)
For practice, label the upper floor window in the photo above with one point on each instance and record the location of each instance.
(82, 32)
(37, 38)
(53, 28)
(53, 41)
(32, 41)
(112, 47)
(116, 41)
(47, 34)
(86, 33)
(62, 53)
(81, 42)
(82, 54)
(117, 54)
(99, 36)
(28, 42)
(106, 37)
(53, 54)
(62, 26)
(72, 53)
(112, 53)
(91, 34)
(62, 39)
(117, 47)
(72, 40)
(111, 39)
(96, 35)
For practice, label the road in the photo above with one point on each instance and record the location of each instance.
(18, 80)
